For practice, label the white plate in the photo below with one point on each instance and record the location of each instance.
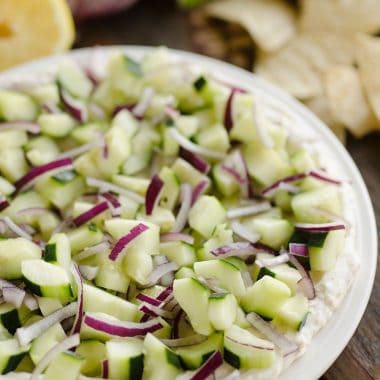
(331, 340)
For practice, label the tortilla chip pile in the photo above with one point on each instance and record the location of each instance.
(324, 52)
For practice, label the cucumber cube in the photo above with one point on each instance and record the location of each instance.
(65, 366)
(11, 355)
(181, 253)
(15, 106)
(222, 310)
(93, 352)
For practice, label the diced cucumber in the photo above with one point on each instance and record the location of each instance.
(138, 266)
(56, 125)
(323, 258)
(88, 132)
(160, 362)
(48, 305)
(227, 275)
(13, 138)
(129, 208)
(192, 357)
(186, 173)
(11, 355)
(45, 93)
(241, 319)
(25, 365)
(170, 146)
(185, 272)
(181, 253)
(188, 125)
(65, 366)
(148, 242)
(11, 317)
(214, 138)
(84, 236)
(225, 182)
(266, 165)
(98, 300)
(293, 313)
(170, 190)
(22, 249)
(12, 163)
(265, 297)
(222, 310)
(273, 232)
(85, 165)
(125, 359)
(165, 332)
(243, 350)
(6, 187)
(15, 106)
(73, 79)
(283, 200)
(138, 185)
(47, 340)
(41, 150)
(210, 206)
(58, 251)
(326, 198)
(46, 280)
(126, 120)
(193, 299)
(93, 352)
(61, 193)
(110, 276)
(161, 217)
(303, 161)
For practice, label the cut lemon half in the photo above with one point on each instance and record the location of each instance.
(33, 28)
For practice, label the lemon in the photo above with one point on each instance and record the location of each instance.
(33, 28)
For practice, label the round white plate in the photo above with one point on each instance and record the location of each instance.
(334, 336)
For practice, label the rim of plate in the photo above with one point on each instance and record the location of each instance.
(335, 335)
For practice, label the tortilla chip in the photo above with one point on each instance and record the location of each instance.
(342, 16)
(320, 107)
(368, 59)
(298, 66)
(347, 101)
(271, 23)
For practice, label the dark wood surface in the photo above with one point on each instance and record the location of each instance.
(159, 22)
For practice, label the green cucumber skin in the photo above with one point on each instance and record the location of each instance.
(172, 358)
(11, 320)
(231, 358)
(13, 362)
(51, 253)
(136, 367)
(185, 366)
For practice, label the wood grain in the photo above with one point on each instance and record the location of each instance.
(159, 22)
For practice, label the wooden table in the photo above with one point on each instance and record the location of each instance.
(159, 22)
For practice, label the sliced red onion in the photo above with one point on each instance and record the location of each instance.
(79, 312)
(305, 284)
(64, 345)
(140, 108)
(31, 302)
(96, 111)
(149, 300)
(165, 294)
(50, 107)
(126, 239)
(233, 173)
(298, 249)
(289, 188)
(187, 341)
(332, 216)
(63, 225)
(72, 153)
(228, 121)
(208, 367)
(155, 311)
(76, 107)
(93, 250)
(186, 198)
(90, 214)
(321, 176)
(121, 328)
(322, 227)
(235, 249)
(194, 148)
(197, 162)
(242, 168)
(4, 203)
(160, 271)
(273, 261)
(26, 334)
(88, 272)
(105, 186)
(167, 279)
(160, 259)
(177, 236)
(272, 189)
(171, 112)
(27, 180)
(198, 190)
(16, 229)
(113, 203)
(171, 304)
(248, 210)
(27, 126)
(27, 228)
(14, 295)
(261, 128)
(32, 211)
(176, 322)
(105, 369)
(243, 232)
(153, 194)
(212, 283)
(286, 346)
